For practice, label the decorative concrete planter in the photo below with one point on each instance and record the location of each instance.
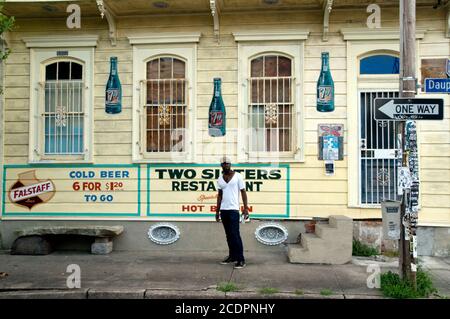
(164, 233)
(271, 234)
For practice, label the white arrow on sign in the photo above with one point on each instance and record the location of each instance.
(391, 109)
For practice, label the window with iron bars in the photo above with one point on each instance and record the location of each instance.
(165, 105)
(63, 112)
(271, 104)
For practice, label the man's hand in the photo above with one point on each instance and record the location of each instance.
(245, 212)
(219, 202)
(244, 199)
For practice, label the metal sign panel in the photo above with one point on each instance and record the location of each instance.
(437, 85)
(409, 109)
(385, 153)
(433, 69)
(448, 67)
(391, 219)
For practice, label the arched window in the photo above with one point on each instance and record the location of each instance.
(63, 112)
(166, 105)
(379, 64)
(271, 104)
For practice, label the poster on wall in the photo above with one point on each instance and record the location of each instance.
(99, 190)
(191, 191)
(331, 141)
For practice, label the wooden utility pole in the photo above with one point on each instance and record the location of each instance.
(407, 90)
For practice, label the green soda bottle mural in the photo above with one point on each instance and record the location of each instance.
(217, 116)
(325, 87)
(113, 94)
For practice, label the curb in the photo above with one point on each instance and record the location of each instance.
(44, 294)
(116, 294)
(280, 295)
(167, 294)
(183, 294)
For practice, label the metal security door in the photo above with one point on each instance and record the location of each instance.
(379, 148)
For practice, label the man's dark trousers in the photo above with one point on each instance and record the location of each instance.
(230, 221)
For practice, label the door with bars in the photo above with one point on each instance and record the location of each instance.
(379, 148)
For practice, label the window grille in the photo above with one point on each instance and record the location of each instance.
(165, 105)
(63, 113)
(271, 104)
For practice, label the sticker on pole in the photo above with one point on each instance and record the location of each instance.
(404, 180)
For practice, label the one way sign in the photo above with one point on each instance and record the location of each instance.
(409, 109)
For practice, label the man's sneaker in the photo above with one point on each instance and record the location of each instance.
(239, 265)
(227, 261)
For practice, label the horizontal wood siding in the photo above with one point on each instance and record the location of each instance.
(313, 194)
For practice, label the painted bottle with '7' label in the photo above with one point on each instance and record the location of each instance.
(113, 97)
(325, 87)
(217, 116)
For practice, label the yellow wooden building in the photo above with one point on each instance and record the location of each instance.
(66, 160)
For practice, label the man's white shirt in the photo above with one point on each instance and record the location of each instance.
(230, 191)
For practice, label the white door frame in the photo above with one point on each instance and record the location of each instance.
(359, 45)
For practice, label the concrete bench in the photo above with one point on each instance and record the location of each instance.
(34, 240)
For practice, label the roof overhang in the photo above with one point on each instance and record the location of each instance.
(123, 8)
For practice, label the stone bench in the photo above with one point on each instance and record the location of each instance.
(34, 240)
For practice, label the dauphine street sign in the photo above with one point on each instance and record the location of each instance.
(409, 109)
(437, 86)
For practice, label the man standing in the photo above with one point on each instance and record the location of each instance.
(229, 185)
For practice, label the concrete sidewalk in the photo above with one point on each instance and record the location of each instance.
(146, 274)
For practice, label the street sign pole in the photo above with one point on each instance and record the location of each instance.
(407, 89)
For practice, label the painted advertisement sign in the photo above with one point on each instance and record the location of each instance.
(195, 188)
(75, 190)
(188, 191)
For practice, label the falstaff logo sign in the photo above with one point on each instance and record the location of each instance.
(28, 191)
(191, 190)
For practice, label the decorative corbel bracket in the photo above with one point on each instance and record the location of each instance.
(215, 12)
(106, 11)
(5, 38)
(327, 7)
